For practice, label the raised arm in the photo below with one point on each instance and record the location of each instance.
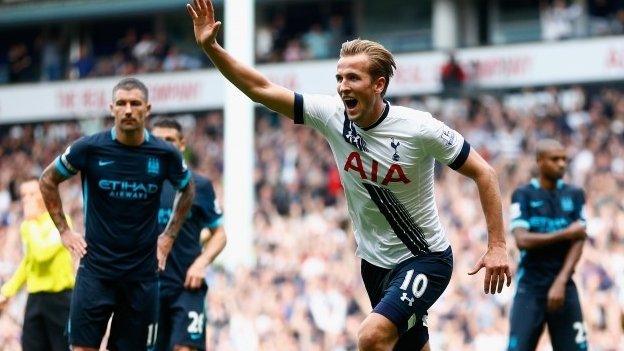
(248, 80)
(48, 184)
(495, 260)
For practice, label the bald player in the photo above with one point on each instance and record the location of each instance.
(548, 223)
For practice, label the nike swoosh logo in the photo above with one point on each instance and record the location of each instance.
(105, 163)
(537, 203)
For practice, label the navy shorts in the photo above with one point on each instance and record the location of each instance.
(134, 307)
(565, 326)
(182, 320)
(405, 293)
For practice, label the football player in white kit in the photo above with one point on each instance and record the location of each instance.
(386, 159)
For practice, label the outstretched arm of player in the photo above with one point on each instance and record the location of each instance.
(556, 293)
(212, 248)
(48, 184)
(181, 206)
(495, 259)
(12, 286)
(251, 82)
(529, 240)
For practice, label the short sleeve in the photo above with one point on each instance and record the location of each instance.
(178, 173)
(74, 159)
(209, 205)
(443, 143)
(518, 212)
(315, 110)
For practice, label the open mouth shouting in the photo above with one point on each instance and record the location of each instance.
(350, 102)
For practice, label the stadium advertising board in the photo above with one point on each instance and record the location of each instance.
(90, 97)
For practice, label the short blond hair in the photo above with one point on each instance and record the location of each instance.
(381, 60)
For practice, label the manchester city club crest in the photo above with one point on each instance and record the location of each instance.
(153, 166)
(567, 204)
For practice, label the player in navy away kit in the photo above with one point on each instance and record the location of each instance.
(548, 222)
(182, 285)
(122, 172)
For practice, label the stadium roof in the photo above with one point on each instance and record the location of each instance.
(32, 12)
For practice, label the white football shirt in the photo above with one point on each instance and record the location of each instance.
(387, 171)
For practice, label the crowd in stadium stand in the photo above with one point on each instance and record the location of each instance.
(53, 56)
(312, 297)
(51, 59)
(276, 42)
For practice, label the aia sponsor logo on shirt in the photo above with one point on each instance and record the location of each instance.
(395, 173)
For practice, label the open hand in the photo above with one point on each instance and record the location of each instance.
(195, 275)
(3, 302)
(556, 297)
(165, 243)
(75, 243)
(204, 25)
(496, 265)
(577, 231)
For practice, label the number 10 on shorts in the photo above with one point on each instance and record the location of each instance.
(419, 285)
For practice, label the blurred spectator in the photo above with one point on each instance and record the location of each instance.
(162, 46)
(559, 20)
(83, 64)
(338, 34)
(601, 14)
(4, 69)
(294, 51)
(318, 42)
(144, 52)
(452, 76)
(51, 60)
(177, 61)
(21, 68)
(264, 43)
(280, 33)
(619, 17)
(127, 43)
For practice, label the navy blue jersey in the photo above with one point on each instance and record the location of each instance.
(544, 211)
(205, 213)
(121, 188)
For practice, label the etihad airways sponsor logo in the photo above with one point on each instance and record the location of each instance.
(122, 189)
